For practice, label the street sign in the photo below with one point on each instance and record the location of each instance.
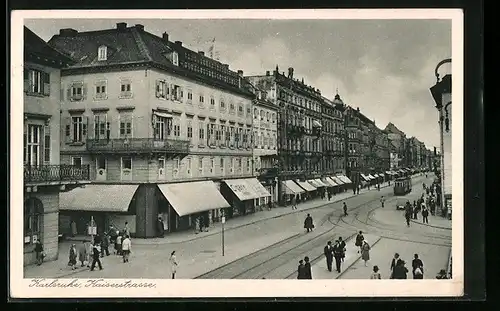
(223, 219)
(92, 230)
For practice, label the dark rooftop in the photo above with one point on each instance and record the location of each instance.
(36, 46)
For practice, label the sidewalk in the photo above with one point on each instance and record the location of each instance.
(320, 271)
(434, 258)
(434, 221)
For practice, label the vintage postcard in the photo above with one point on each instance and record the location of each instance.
(236, 153)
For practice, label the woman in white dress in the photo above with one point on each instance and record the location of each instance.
(173, 264)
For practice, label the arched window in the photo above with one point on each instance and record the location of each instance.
(255, 113)
(33, 220)
(268, 116)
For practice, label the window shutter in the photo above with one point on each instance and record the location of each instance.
(46, 83)
(67, 130)
(157, 89)
(167, 91)
(181, 91)
(95, 127)
(68, 93)
(84, 91)
(26, 80)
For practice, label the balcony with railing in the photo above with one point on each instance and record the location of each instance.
(270, 172)
(139, 145)
(63, 173)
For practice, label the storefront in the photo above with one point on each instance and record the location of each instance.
(331, 185)
(243, 195)
(264, 195)
(320, 187)
(310, 190)
(291, 190)
(190, 202)
(104, 204)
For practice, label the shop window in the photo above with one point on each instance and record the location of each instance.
(33, 221)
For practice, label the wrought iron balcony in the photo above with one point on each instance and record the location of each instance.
(51, 173)
(138, 145)
(270, 172)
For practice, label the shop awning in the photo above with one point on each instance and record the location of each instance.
(329, 182)
(291, 187)
(242, 189)
(258, 188)
(193, 197)
(366, 178)
(337, 180)
(163, 114)
(305, 185)
(345, 179)
(320, 183)
(314, 183)
(371, 176)
(98, 198)
(388, 172)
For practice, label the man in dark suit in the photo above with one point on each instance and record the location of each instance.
(417, 263)
(394, 263)
(307, 269)
(338, 252)
(342, 247)
(328, 251)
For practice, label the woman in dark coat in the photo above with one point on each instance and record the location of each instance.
(39, 252)
(400, 271)
(307, 269)
(301, 270)
(72, 257)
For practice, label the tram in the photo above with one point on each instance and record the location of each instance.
(402, 186)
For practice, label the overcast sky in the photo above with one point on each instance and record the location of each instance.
(384, 67)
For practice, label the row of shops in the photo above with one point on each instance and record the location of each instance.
(302, 190)
(150, 210)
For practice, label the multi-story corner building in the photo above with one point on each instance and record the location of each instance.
(398, 146)
(299, 126)
(44, 175)
(163, 128)
(383, 153)
(265, 140)
(332, 138)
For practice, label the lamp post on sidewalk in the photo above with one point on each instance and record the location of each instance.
(223, 220)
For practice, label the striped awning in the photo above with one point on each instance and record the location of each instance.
(98, 198)
(305, 185)
(291, 187)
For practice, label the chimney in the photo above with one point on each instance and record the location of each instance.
(139, 27)
(68, 32)
(165, 36)
(201, 53)
(178, 43)
(268, 73)
(357, 109)
(240, 73)
(290, 73)
(121, 26)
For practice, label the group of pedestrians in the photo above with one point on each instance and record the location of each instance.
(400, 271)
(304, 269)
(336, 251)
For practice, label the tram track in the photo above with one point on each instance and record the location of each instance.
(277, 260)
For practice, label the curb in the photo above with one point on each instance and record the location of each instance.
(422, 224)
(355, 261)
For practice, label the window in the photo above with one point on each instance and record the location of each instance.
(212, 102)
(76, 161)
(175, 58)
(231, 165)
(125, 125)
(201, 131)
(77, 91)
(189, 130)
(188, 166)
(200, 165)
(46, 145)
(79, 129)
(231, 107)
(212, 165)
(36, 82)
(177, 165)
(190, 96)
(32, 154)
(218, 133)
(177, 93)
(248, 165)
(255, 113)
(102, 53)
(268, 116)
(125, 88)
(240, 109)
(126, 163)
(249, 110)
(100, 126)
(100, 90)
(222, 104)
(177, 129)
(239, 165)
(222, 165)
(33, 221)
(161, 89)
(274, 117)
(162, 127)
(202, 99)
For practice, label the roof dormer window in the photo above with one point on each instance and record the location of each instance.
(103, 53)
(175, 58)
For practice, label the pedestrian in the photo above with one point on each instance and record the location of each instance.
(337, 253)
(72, 257)
(354, 188)
(96, 251)
(294, 202)
(417, 267)
(382, 201)
(112, 233)
(308, 223)
(105, 245)
(345, 209)
(118, 244)
(126, 248)
(378, 186)
(74, 231)
(394, 263)
(425, 215)
(342, 247)
(307, 269)
(88, 252)
(415, 212)
(328, 251)
(408, 217)
(359, 240)
(301, 270)
(269, 204)
(329, 195)
(39, 252)
(82, 253)
(375, 274)
(173, 264)
(400, 271)
(126, 229)
(365, 252)
(441, 275)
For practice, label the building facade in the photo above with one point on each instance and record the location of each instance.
(332, 138)
(265, 139)
(44, 175)
(299, 126)
(158, 121)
